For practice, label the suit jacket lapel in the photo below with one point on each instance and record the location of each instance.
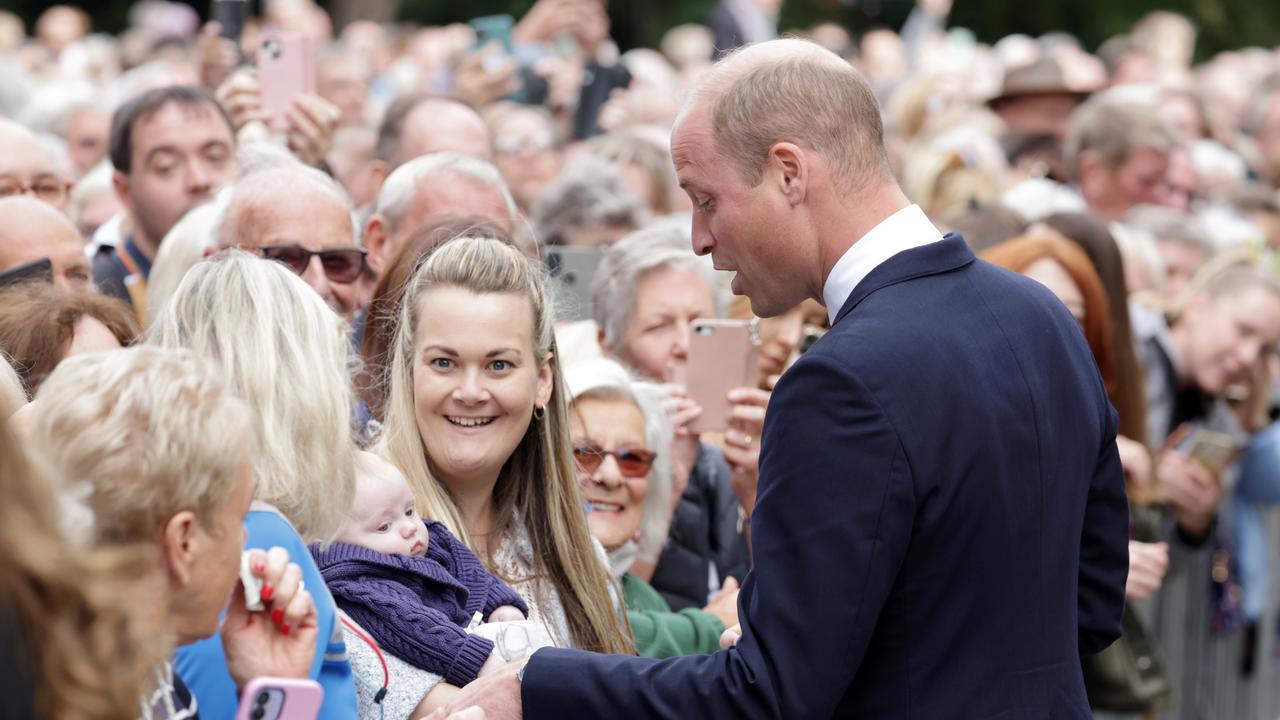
(949, 253)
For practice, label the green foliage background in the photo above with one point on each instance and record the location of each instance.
(1224, 24)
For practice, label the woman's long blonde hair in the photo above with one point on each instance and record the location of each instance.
(286, 353)
(538, 481)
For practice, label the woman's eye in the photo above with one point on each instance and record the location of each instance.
(500, 365)
(441, 363)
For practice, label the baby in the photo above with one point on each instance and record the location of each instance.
(418, 590)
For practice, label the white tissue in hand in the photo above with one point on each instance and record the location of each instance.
(252, 586)
(517, 639)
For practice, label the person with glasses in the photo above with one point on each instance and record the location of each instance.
(297, 216)
(621, 443)
(27, 168)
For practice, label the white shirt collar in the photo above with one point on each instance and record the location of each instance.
(905, 229)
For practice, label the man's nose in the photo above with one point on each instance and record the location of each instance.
(315, 277)
(703, 242)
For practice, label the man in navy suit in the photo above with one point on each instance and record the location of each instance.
(941, 527)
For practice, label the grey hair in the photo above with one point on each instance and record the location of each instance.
(396, 196)
(286, 353)
(264, 167)
(665, 243)
(97, 180)
(590, 191)
(51, 107)
(1113, 127)
(606, 379)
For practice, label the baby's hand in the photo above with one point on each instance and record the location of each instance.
(506, 613)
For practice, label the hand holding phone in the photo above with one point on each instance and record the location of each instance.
(286, 70)
(273, 698)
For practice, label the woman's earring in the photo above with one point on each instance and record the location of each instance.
(539, 412)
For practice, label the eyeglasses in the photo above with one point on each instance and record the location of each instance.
(341, 265)
(50, 190)
(538, 142)
(633, 462)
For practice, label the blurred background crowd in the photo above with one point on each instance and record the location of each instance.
(1135, 174)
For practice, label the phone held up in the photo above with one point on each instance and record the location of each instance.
(723, 355)
(273, 698)
(286, 69)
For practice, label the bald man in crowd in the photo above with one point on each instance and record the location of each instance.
(32, 230)
(300, 217)
(906, 565)
(421, 124)
(428, 188)
(27, 167)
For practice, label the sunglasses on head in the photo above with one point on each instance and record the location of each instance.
(633, 462)
(341, 265)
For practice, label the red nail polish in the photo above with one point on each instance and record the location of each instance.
(267, 592)
(277, 616)
(284, 629)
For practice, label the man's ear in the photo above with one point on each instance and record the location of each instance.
(375, 243)
(378, 171)
(179, 544)
(791, 170)
(120, 183)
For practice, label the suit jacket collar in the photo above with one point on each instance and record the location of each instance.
(948, 254)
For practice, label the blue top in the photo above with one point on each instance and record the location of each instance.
(203, 666)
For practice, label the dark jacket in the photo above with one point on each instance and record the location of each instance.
(705, 532)
(418, 607)
(941, 527)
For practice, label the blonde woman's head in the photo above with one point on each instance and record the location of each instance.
(286, 353)
(164, 450)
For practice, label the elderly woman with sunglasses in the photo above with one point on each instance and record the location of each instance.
(620, 432)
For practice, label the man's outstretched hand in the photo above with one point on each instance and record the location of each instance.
(497, 694)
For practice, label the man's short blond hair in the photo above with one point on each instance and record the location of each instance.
(1113, 129)
(151, 431)
(808, 96)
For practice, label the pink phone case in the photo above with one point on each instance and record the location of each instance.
(722, 356)
(286, 69)
(273, 698)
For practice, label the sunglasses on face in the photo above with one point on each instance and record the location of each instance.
(342, 265)
(633, 462)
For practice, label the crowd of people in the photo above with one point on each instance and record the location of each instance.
(294, 390)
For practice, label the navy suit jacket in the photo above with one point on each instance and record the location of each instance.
(941, 528)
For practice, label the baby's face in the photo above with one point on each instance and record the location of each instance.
(383, 516)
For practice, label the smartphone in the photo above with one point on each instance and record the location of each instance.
(230, 15)
(573, 270)
(37, 270)
(723, 355)
(1214, 450)
(492, 28)
(273, 698)
(286, 69)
